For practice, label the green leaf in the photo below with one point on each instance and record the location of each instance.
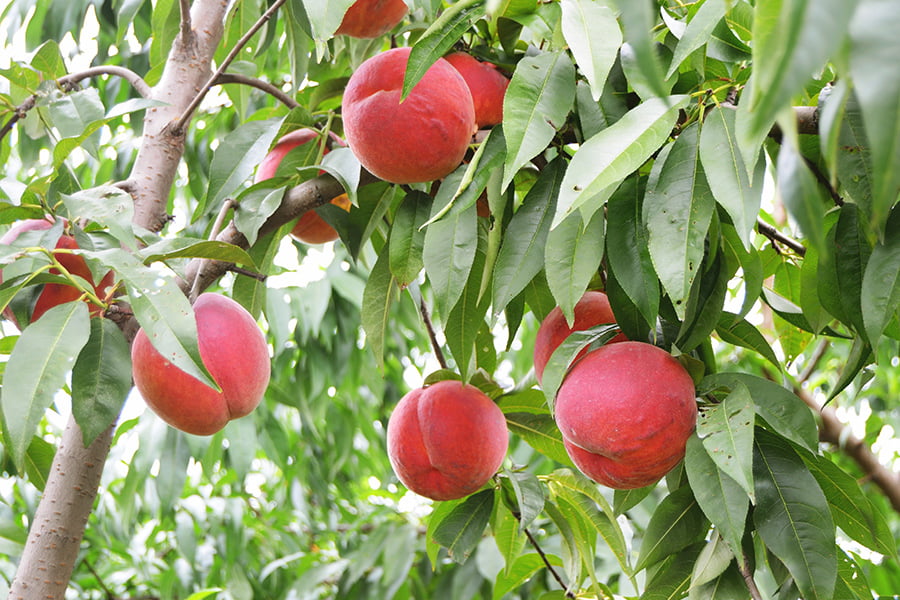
(676, 524)
(73, 113)
(466, 318)
(557, 366)
(39, 461)
(673, 577)
(726, 171)
(880, 292)
(792, 40)
(449, 248)
(521, 256)
(536, 104)
(174, 456)
(845, 265)
(255, 205)
(162, 310)
(860, 355)
(408, 238)
(627, 252)
(739, 332)
(235, 159)
(185, 247)
(792, 516)
(801, 194)
(101, 379)
(108, 206)
(250, 292)
(853, 511)
(614, 153)
(638, 20)
(529, 496)
(585, 498)
(874, 43)
(324, 17)
(519, 573)
(783, 411)
(541, 433)
(41, 359)
(720, 497)
(48, 60)
(377, 299)
(510, 541)
(677, 211)
(594, 37)
(571, 258)
(698, 32)
(438, 39)
(461, 530)
(727, 433)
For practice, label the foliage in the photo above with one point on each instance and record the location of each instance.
(663, 151)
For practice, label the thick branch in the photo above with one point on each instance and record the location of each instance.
(776, 236)
(188, 112)
(54, 538)
(832, 431)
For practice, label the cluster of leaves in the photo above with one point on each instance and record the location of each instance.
(634, 155)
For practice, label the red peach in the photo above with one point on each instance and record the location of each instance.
(235, 353)
(592, 309)
(487, 84)
(625, 412)
(423, 138)
(310, 227)
(54, 294)
(368, 19)
(446, 440)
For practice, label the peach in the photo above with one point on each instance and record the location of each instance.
(368, 19)
(54, 294)
(235, 353)
(592, 309)
(626, 411)
(421, 139)
(447, 440)
(310, 227)
(487, 84)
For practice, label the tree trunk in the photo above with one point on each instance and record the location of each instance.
(54, 539)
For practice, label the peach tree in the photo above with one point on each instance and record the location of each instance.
(725, 171)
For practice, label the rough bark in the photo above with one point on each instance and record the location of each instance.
(54, 539)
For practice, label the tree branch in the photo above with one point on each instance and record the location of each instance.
(179, 126)
(776, 236)
(747, 574)
(832, 431)
(550, 568)
(67, 81)
(429, 326)
(259, 84)
(186, 24)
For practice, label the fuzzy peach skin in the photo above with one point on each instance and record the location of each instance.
(625, 412)
(310, 227)
(368, 19)
(446, 440)
(487, 85)
(421, 139)
(235, 353)
(592, 309)
(54, 294)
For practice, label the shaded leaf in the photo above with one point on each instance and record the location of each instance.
(676, 524)
(461, 529)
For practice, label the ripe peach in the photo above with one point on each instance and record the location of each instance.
(235, 353)
(54, 294)
(592, 309)
(625, 412)
(487, 84)
(446, 440)
(371, 18)
(310, 227)
(421, 139)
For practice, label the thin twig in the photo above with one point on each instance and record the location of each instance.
(813, 361)
(216, 229)
(426, 318)
(748, 579)
(550, 568)
(824, 182)
(99, 579)
(186, 115)
(776, 236)
(258, 84)
(246, 272)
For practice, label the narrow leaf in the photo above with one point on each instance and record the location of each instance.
(407, 237)
(571, 258)
(40, 360)
(461, 530)
(536, 104)
(593, 35)
(699, 30)
(614, 153)
(677, 523)
(881, 282)
(727, 433)
(377, 299)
